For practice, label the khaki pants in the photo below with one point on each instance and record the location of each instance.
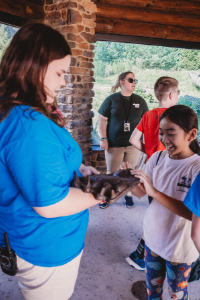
(47, 283)
(115, 157)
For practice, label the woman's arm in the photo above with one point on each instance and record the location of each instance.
(196, 231)
(176, 206)
(102, 131)
(75, 202)
(135, 140)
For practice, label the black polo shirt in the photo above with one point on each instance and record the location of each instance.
(113, 109)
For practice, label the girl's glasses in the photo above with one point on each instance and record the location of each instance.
(131, 80)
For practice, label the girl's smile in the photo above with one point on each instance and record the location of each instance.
(175, 139)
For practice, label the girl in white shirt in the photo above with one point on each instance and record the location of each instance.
(169, 247)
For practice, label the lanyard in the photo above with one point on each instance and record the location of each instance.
(126, 114)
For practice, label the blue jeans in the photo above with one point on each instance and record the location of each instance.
(177, 277)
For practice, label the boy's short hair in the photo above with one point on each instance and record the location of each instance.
(163, 85)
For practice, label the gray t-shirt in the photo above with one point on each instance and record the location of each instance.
(116, 112)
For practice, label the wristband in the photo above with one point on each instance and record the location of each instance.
(103, 138)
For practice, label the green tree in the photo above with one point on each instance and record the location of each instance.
(6, 34)
(189, 59)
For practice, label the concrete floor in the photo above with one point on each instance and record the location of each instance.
(104, 275)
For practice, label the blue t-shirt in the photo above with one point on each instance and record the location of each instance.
(37, 163)
(192, 199)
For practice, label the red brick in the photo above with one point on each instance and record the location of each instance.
(93, 17)
(77, 52)
(53, 16)
(80, 28)
(76, 70)
(63, 5)
(92, 30)
(83, 46)
(72, 44)
(73, 37)
(74, 17)
(85, 64)
(89, 54)
(86, 16)
(88, 94)
(90, 38)
(89, 23)
(73, 62)
(69, 29)
(88, 79)
(89, 6)
(50, 7)
(81, 8)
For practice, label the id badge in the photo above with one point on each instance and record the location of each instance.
(126, 126)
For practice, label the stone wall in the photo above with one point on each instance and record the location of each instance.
(76, 21)
(98, 160)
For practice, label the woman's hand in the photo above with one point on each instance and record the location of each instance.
(104, 145)
(146, 184)
(88, 170)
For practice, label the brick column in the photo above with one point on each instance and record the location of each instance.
(76, 21)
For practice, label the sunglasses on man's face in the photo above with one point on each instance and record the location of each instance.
(131, 80)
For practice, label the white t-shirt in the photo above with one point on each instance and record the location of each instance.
(167, 234)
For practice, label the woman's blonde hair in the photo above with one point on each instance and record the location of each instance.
(122, 76)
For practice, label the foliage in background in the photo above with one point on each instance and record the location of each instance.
(189, 59)
(6, 34)
(194, 103)
(112, 58)
(148, 64)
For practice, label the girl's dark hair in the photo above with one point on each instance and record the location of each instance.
(186, 118)
(23, 68)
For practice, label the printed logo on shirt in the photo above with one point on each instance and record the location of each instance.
(184, 184)
(137, 105)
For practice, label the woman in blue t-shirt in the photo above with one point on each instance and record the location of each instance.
(45, 219)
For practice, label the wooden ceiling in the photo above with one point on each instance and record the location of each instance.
(160, 19)
(16, 12)
(168, 21)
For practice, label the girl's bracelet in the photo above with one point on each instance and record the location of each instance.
(105, 138)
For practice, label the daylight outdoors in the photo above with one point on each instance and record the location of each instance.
(148, 63)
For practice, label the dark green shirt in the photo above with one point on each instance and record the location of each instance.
(113, 109)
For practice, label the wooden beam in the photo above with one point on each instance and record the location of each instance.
(23, 9)
(146, 41)
(11, 19)
(147, 30)
(181, 6)
(39, 2)
(145, 15)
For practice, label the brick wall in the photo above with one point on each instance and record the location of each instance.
(76, 21)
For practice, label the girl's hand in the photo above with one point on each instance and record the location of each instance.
(146, 184)
(88, 170)
(126, 165)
